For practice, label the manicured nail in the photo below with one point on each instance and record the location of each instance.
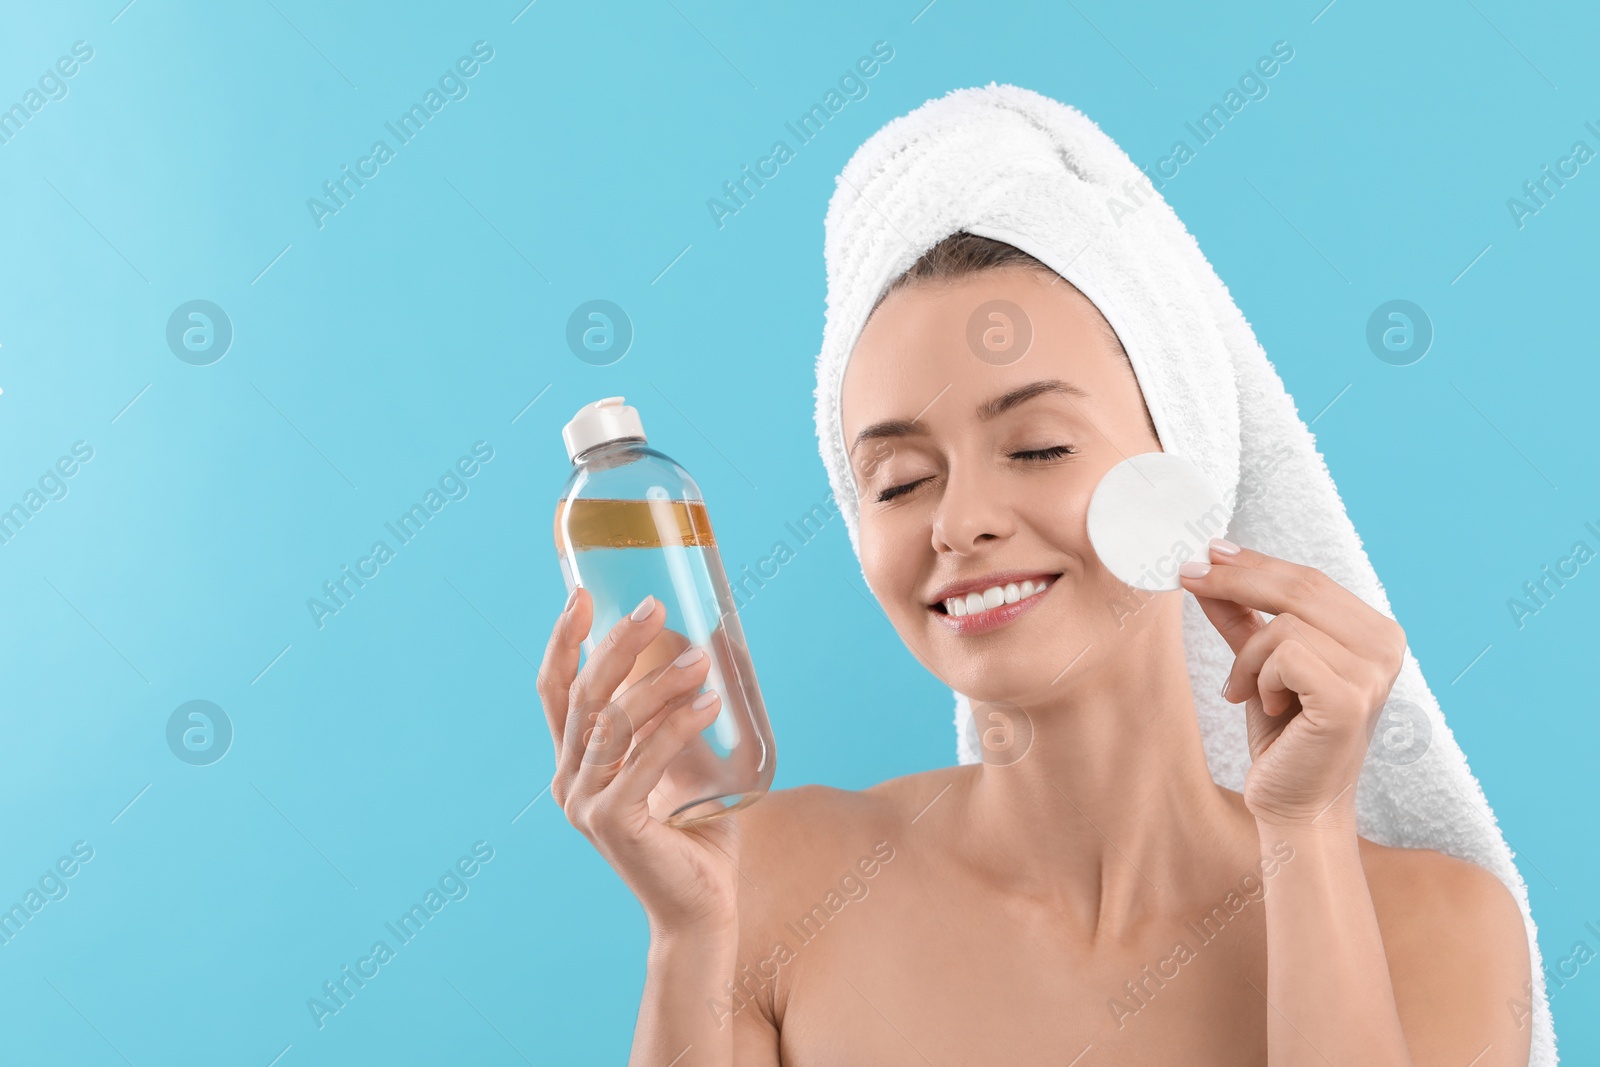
(572, 598)
(690, 655)
(1226, 547)
(1193, 569)
(642, 612)
(703, 701)
(1224, 691)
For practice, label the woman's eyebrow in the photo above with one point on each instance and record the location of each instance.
(988, 410)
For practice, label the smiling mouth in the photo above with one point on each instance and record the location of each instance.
(994, 597)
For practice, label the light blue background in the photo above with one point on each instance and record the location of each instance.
(430, 311)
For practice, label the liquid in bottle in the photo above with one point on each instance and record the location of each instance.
(632, 523)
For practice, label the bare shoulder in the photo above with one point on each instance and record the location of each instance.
(809, 830)
(1457, 948)
(802, 848)
(796, 844)
(1419, 888)
(790, 831)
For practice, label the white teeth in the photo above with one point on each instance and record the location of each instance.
(993, 597)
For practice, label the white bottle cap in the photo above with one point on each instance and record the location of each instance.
(597, 423)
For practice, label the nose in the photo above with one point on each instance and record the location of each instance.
(972, 510)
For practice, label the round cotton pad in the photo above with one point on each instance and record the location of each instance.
(1150, 513)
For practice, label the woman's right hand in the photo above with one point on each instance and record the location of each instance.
(611, 751)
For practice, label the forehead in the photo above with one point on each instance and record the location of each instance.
(948, 339)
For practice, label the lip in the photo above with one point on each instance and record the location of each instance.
(978, 585)
(993, 618)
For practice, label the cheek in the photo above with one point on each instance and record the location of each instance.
(887, 562)
(1060, 520)
(1061, 517)
(1060, 512)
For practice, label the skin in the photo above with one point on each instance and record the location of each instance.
(1004, 910)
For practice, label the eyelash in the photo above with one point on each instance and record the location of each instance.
(1038, 455)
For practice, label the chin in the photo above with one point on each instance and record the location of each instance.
(1015, 670)
(996, 684)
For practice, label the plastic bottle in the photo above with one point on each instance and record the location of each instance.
(632, 523)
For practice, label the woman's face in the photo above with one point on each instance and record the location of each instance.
(988, 475)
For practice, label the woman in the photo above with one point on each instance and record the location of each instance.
(1087, 892)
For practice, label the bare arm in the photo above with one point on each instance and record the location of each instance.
(679, 1021)
(611, 750)
(1329, 996)
(1458, 951)
(1340, 990)
(1449, 974)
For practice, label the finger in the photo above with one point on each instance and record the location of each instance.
(655, 676)
(1295, 674)
(624, 723)
(610, 662)
(1261, 729)
(606, 733)
(1244, 676)
(667, 646)
(590, 694)
(1237, 623)
(1267, 583)
(646, 764)
(559, 668)
(605, 744)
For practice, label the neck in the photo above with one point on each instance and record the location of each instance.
(1110, 815)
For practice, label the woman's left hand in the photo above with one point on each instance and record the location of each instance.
(1313, 678)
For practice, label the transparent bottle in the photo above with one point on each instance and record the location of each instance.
(632, 523)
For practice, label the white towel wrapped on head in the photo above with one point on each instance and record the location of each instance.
(1009, 164)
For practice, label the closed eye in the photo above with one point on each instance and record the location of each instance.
(1054, 452)
(1037, 455)
(891, 493)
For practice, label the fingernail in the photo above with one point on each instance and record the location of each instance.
(1226, 547)
(689, 656)
(1223, 692)
(646, 606)
(703, 701)
(1193, 569)
(572, 598)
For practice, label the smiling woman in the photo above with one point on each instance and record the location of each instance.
(1070, 711)
(992, 450)
(1109, 793)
